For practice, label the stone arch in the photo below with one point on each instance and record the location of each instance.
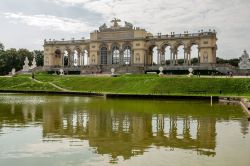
(194, 52)
(66, 60)
(127, 44)
(103, 45)
(115, 44)
(178, 52)
(76, 53)
(166, 55)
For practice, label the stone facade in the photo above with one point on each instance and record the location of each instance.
(128, 46)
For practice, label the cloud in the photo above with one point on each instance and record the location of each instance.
(230, 18)
(48, 22)
(164, 15)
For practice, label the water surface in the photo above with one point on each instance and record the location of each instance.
(67, 130)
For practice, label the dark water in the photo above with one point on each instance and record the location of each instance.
(63, 130)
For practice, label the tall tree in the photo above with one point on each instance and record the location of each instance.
(39, 57)
(1, 47)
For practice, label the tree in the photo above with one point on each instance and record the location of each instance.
(233, 62)
(39, 57)
(13, 58)
(1, 47)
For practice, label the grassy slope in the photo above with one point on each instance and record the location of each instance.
(152, 84)
(134, 84)
(24, 83)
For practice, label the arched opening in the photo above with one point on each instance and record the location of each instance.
(127, 55)
(85, 58)
(66, 58)
(194, 54)
(180, 55)
(104, 55)
(115, 55)
(155, 56)
(167, 54)
(76, 58)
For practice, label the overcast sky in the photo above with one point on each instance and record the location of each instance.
(26, 23)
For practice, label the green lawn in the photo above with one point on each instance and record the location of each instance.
(152, 84)
(133, 84)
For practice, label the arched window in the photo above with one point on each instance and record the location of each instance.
(115, 55)
(66, 58)
(104, 53)
(127, 55)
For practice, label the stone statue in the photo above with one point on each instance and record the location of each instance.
(103, 27)
(128, 25)
(33, 63)
(13, 71)
(115, 21)
(244, 61)
(26, 66)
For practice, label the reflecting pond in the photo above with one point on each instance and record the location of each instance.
(68, 130)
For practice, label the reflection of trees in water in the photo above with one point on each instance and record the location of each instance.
(119, 133)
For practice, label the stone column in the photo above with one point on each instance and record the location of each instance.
(171, 57)
(78, 58)
(109, 57)
(132, 57)
(199, 55)
(175, 55)
(158, 56)
(187, 56)
(71, 59)
(121, 56)
(62, 56)
(163, 62)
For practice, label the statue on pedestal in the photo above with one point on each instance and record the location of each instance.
(26, 66)
(13, 71)
(115, 22)
(33, 63)
(244, 61)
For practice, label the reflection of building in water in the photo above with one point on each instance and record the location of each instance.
(244, 126)
(129, 134)
(20, 114)
(116, 133)
(29, 112)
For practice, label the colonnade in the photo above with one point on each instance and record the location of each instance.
(74, 58)
(173, 57)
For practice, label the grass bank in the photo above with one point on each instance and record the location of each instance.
(134, 84)
(24, 83)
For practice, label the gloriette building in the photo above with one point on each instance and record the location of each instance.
(129, 49)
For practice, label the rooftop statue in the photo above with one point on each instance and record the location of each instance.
(244, 61)
(128, 25)
(103, 27)
(115, 21)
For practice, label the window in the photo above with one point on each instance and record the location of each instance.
(115, 55)
(104, 53)
(127, 55)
